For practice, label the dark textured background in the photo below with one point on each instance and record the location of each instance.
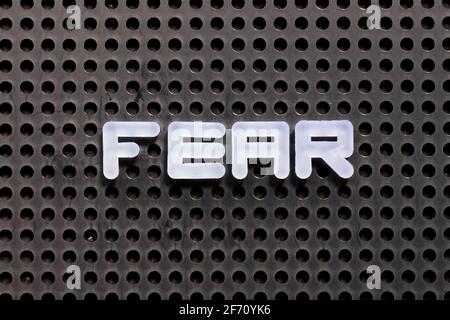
(147, 236)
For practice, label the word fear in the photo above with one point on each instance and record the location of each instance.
(196, 150)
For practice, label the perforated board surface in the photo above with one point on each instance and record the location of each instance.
(146, 236)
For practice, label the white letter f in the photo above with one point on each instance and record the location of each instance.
(113, 150)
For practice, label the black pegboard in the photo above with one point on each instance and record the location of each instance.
(147, 236)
